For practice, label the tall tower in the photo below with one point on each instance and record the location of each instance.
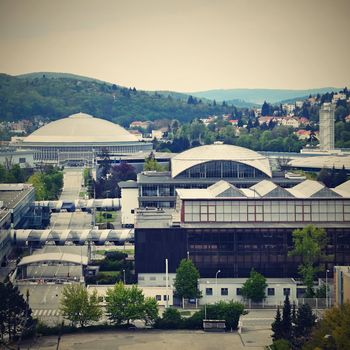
(327, 127)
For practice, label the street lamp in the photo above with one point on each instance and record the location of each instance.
(124, 275)
(326, 288)
(216, 282)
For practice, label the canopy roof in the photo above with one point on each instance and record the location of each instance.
(215, 152)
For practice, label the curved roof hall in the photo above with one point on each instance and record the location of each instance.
(80, 128)
(57, 257)
(217, 152)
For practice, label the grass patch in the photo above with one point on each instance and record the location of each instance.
(185, 313)
(103, 251)
(82, 194)
(105, 216)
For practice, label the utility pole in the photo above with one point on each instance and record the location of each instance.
(166, 283)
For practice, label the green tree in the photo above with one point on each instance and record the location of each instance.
(15, 314)
(286, 319)
(254, 287)
(78, 306)
(186, 280)
(309, 244)
(171, 319)
(265, 109)
(277, 326)
(129, 304)
(333, 331)
(151, 164)
(304, 322)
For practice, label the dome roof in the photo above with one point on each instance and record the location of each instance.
(80, 127)
(204, 154)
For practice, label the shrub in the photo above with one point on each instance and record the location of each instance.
(116, 256)
(171, 320)
(281, 344)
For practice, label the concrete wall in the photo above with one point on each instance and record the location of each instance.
(129, 204)
(216, 291)
(158, 293)
(22, 158)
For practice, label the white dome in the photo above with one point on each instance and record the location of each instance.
(80, 127)
(203, 154)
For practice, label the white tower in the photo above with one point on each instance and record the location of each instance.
(327, 127)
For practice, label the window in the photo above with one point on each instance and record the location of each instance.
(158, 297)
(239, 291)
(270, 291)
(152, 278)
(164, 297)
(224, 291)
(22, 160)
(286, 291)
(208, 291)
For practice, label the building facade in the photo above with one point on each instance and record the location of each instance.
(341, 280)
(234, 230)
(327, 127)
(78, 139)
(203, 166)
(16, 201)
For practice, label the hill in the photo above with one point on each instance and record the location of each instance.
(258, 96)
(56, 75)
(56, 95)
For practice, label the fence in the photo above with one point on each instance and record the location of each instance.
(314, 303)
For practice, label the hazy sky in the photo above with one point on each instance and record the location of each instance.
(183, 45)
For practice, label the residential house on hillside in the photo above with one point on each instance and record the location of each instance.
(303, 120)
(139, 124)
(291, 121)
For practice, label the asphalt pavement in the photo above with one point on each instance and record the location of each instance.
(72, 183)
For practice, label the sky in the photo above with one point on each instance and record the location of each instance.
(181, 45)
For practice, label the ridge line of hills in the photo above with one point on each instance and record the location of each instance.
(55, 95)
(244, 97)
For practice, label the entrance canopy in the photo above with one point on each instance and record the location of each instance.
(54, 257)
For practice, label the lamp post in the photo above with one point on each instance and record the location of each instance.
(326, 288)
(124, 276)
(216, 282)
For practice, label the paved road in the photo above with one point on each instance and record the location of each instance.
(72, 180)
(78, 220)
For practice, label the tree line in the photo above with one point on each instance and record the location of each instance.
(255, 136)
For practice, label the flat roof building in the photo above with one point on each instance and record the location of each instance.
(16, 201)
(233, 229)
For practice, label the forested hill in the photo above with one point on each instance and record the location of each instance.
(56, 96)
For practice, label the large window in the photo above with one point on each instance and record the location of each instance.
(222, 169)
(242, 210)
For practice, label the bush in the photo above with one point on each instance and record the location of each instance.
(107, 278)
(281, 344)
(171, 320)
(228, 311)
(195, 321)
(116, 256)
